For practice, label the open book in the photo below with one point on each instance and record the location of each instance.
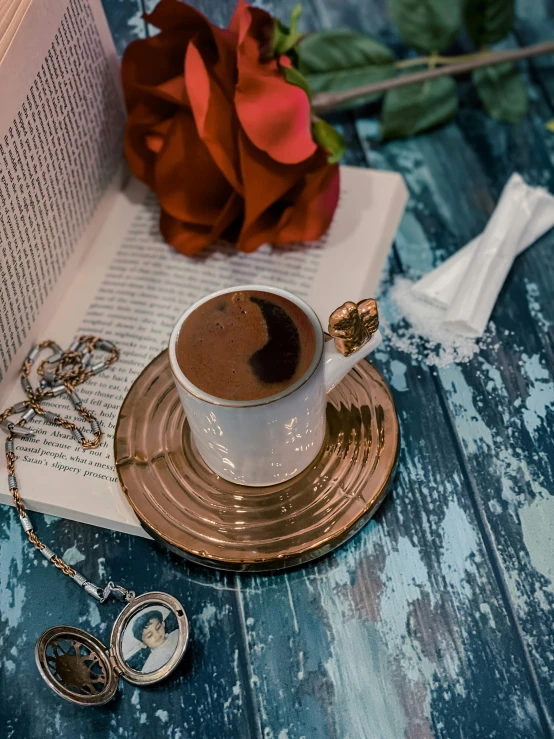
(80, 254)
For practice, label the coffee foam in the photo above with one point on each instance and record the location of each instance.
(246, 345)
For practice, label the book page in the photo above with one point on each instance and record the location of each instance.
(131, 290)
(61, 127)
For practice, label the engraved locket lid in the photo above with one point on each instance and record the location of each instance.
(148, 640)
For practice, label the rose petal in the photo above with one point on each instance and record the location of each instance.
(313, 208)
(225, 67)
(236, 19)
(173, 90)
(214, 116)
(190, 238)
(173, 16)
(302, 204)
(188, 183)
(275, 115)
(263, 27)
(141, 122)
(155, 137)
(265, 180)
(262, 231)
(284, 130)
(148, 63)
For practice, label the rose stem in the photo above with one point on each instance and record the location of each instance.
(323, 102)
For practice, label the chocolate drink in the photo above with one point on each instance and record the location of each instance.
(245, 345)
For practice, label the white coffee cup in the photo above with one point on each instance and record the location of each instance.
(266, 441)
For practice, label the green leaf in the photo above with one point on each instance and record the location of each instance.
(488, 21)
(417, 107)
(502, 92)
(285, 38)
(294, 77)
(549, 125)
(340, 59)
(330, 139)
(427, 25)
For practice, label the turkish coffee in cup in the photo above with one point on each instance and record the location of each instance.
(245, 345)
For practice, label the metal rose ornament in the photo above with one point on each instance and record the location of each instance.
(352, 325)
(220, 127)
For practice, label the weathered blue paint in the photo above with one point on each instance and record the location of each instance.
(125, 20)
(436, 620)
(502, 404)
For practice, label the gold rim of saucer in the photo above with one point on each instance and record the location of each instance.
(211, 521)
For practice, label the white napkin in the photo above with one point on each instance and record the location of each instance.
(467, 284)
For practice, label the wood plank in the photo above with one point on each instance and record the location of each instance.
(502, 403)
(502, 430)
(534, 23)
(207, 697)
(125, 21)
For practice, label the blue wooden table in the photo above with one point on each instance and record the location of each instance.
(437, 620)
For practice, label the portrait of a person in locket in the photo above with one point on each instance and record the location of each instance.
(155, 635)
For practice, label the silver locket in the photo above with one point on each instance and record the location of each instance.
(148, 640)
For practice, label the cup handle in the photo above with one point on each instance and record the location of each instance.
(354, 328)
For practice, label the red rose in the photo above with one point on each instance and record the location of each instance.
(222, 138)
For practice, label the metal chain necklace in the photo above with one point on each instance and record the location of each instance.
(143, 649)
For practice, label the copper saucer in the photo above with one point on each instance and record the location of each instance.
(208, 520)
